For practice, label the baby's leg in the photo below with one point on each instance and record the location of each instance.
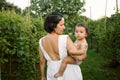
(66, 60)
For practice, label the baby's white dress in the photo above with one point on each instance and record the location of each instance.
(72, 72)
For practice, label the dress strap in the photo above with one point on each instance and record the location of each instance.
(43, 51)
(62, 46)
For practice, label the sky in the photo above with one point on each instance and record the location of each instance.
(20, 3)
(95, 9)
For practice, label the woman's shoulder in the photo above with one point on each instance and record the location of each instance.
(63, 38)
(41, 38)
(64, 35)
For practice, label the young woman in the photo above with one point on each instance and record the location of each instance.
(54, 47)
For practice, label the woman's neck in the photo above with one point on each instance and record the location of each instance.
(53, 34)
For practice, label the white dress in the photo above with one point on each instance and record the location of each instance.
(72, 72)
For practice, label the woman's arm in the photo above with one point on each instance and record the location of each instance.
(80, 54)
(83, 47)
(42, 65)
(72, 50)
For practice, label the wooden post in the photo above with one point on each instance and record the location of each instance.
(105, 13)
(116, 6)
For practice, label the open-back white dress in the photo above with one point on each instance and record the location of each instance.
(72, 72)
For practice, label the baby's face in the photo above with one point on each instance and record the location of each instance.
(80, 32)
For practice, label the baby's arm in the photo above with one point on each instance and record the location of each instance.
(83, 49)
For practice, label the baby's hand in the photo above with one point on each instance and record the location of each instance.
(78, 47)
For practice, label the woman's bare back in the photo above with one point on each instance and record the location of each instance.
(50, 45)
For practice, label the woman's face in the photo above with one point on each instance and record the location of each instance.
(60, 27)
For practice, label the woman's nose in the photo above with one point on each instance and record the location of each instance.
(64, 27)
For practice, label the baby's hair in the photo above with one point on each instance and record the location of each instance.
(83, 25)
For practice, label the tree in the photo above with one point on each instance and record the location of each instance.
(71, 9)
(112, 40)
(43, 7)
(18, 46)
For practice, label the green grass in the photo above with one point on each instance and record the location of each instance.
(94, 68)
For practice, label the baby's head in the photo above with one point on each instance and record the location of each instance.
(81, 31)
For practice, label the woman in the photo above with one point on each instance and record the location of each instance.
(54, 47)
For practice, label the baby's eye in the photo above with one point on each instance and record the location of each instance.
(76, 31)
